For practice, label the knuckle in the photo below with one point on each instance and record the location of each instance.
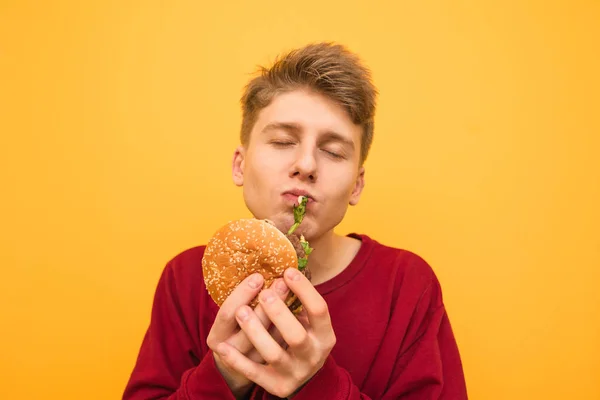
(256, 357)
(330, 343)
(298, 375)
(225, 314)
(211, 342)
(278, 391)
(250, 373)
(283, 390)
(327, 346)
(321, 310)
(274, 358)
(299, 341)
(315, 361)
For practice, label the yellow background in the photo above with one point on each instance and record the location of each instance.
(118, 120)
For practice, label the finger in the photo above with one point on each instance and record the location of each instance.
(255, 356)
(240, 340)
(278, 337)
(302, 317)
(287, 324)
(236, 361)
(225, 323)
(315, 306)
(260, 338)
(282, 291)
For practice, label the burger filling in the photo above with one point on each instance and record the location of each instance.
(300, 244)
(302, 248)
(296, 241)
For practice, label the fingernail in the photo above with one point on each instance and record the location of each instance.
(267, 296)
(293, 274)
(255, 281)
(243, 314)
(281, 287)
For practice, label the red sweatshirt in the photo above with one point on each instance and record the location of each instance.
(394, 339)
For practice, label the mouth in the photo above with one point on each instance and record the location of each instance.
(294, 195)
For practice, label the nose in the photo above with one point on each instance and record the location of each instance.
(305, 166)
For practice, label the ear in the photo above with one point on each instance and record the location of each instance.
(358, 187)
(237, 165)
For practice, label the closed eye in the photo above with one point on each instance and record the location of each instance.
(282, 144)
(333, 154)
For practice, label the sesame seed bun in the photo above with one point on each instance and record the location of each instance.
(241, 248)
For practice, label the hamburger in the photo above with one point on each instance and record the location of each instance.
(243, 247)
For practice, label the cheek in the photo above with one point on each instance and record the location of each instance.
(263, 161)
(262, 171)
(343, 185)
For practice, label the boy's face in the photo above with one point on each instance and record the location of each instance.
(301, 142)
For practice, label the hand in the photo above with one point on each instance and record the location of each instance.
(310, 339)
(225, 329)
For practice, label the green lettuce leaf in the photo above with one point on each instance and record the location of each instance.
(299, 211)
(307, 250)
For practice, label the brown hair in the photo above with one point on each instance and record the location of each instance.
(327, 68)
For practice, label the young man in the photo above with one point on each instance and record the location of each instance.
(374, 324)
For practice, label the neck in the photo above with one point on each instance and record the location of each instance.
(331, 255)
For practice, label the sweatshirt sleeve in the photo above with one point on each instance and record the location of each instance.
(165, 366)
(428, 365)
(331, 382)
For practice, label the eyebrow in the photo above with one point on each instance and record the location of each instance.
(284, 126)
(296, 129)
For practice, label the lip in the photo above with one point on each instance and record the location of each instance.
(295, 193)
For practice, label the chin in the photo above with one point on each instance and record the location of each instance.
(283, 221)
